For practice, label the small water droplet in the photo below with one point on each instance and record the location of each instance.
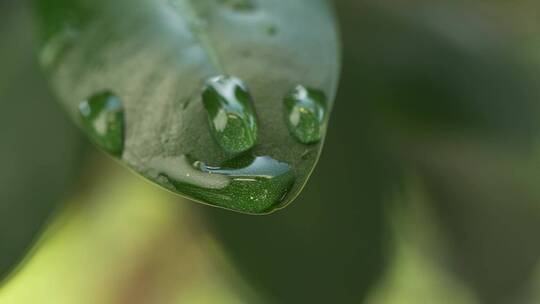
(230, 113)
(102, 117)
(247, 183)
(305, 114)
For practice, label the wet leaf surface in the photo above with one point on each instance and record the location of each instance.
(159, 58)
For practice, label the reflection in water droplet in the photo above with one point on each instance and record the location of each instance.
(305, 113)
(56, 47)
(246, 184)
(230, 112)
(102, 117)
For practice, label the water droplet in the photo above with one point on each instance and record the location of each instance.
(231, 114)
(102, 117)
(246, 184)
(305, 113)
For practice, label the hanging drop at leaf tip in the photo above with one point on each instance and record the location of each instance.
(247, 183)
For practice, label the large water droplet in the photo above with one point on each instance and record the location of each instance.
(102, 117)
(247, 184)
(305, 113)
(231, 114)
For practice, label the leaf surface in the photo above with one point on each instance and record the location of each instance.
(158, 57)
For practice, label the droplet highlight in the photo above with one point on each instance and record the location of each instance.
(231, 114)
(305, 114)
(102, 117)
(249, 184)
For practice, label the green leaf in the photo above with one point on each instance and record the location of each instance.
(40, 154)
(202, 86)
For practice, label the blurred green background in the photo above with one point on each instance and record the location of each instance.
(427, 190)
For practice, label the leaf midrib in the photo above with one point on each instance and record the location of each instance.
(196, 24)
